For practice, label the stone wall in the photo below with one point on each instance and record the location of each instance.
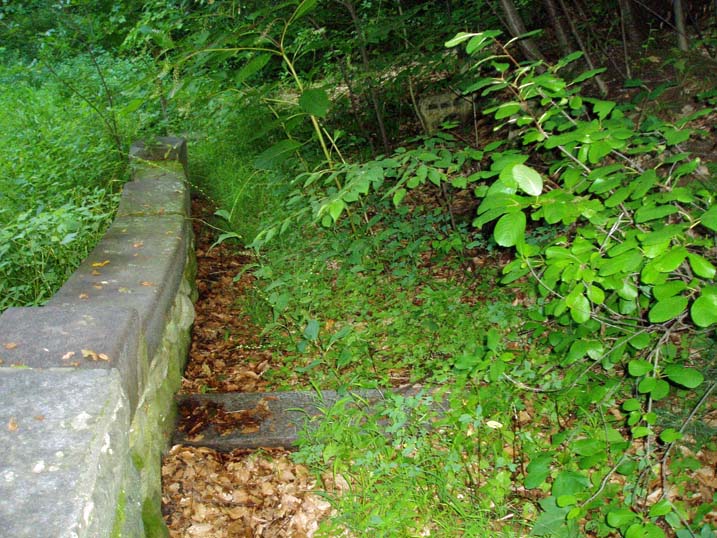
(87, 382)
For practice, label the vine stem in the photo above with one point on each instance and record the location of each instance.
(689, 418)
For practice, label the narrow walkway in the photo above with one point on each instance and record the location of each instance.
(240, 493)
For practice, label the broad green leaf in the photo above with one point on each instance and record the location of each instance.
(619, 517)
(133, 105)
(459, 38)
(528, 179)
(670, 261)
(336, 207)
(647, 213)
(644, 183)
(314, 102)
(269, 157)
(661, 390)
(639, 367)
(675, 136)
(709, 218)
(505, 110)
(587, 447)
(538, 471)
(668, 289)
(701, 266)
(566, 500)
(303, 8)
(601, 108)
(398, 196)
(595, 294)
(587, 74)
(311, 332)
(657, 249)
(510, 229)
(552, 522)
(648, 384)
(626, 262)
(667, 309)
(598, 150)
(583, 347)
(640, 340)
(480, 40)
(570, 483)
(704, 309)
(251, 68)
(580, 309)
(682, 375)
(668, 435)
(686, 168)
(493, 339)
(628, 291)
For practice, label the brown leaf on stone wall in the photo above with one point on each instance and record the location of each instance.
(94, 356)
(12, 424)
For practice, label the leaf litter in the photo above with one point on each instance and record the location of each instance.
(242, 493)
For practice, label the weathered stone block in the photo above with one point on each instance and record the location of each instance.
(138, 264)
(75, 336)
(65, 451)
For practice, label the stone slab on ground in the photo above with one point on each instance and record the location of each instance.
(64, 451)
(268, 419)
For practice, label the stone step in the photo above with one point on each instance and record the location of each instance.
(231, 420)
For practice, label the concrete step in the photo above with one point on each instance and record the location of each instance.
(231, 420)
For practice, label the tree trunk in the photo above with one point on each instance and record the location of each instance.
(348, 4)
(680, 25)
(633, 28)
(517, 28)
(557, 24)
(588, 59)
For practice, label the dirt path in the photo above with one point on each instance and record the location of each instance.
(240, 493)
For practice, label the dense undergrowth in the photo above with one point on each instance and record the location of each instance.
(61, 169)
(543, 275)
(564, 402)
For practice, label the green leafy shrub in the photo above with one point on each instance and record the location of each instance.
(626, 294)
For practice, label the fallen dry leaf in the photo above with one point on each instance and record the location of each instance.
(100, 264)
(67, 356)
(10, 345)
(12, 425)
(94, 356)
(147, 283)
(242, 494)
(83, 296)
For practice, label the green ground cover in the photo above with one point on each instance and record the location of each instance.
(61, 168)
